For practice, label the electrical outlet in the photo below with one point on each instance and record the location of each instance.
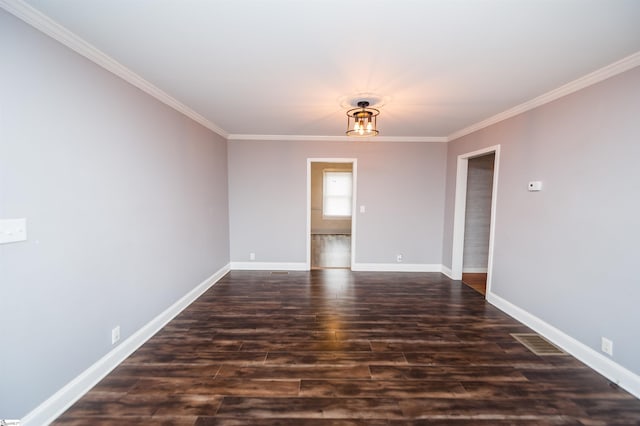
(252, 256)
(115, 335)
(399, 258)
(535, 185)
(607, 346)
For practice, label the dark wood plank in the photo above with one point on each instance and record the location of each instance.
(221, 421)
(310, 408)
(498, 409)
(329, 358)
(439, 373)
(120, 420)
(381, 388)
(296, 372)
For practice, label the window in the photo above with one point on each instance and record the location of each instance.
(336, 194)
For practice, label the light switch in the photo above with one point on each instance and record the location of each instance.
(362, 209)
(535, 185)
(13, 230)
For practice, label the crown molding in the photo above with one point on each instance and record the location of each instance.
(590, 79)
(314, 138)
(48, 26)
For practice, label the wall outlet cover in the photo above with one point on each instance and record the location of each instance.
(535, 185)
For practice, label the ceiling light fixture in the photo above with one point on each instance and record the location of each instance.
(362, 121)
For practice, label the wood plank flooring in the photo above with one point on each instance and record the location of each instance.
(335, 347)
(477, 281)
(330, 251)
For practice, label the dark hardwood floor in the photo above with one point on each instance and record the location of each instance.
(335, 347)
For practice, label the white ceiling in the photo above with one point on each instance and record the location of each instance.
(283, 67)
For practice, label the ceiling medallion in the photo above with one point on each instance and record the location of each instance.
(362, 121)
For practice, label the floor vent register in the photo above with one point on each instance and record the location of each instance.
(537, 344)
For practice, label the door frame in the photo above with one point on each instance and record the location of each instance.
(354, 171)
(460, 211)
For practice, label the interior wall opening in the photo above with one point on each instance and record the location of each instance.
(460, 210)
(475, 258)
(331, 209)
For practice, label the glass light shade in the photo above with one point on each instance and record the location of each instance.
(357, 117)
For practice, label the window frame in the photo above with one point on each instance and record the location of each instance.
(326, 216)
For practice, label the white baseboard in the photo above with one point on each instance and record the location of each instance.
(474, 270)
(56, 404)
(447, 271)
(269, 266)
(397, 267)
(359, 267)
(597, 361)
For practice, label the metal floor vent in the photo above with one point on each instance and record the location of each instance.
(279, 273)
(537, 344)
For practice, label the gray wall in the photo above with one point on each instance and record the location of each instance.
(401, 185)
(477, 219)
(320, 225)
(568, 254)
(126, 203)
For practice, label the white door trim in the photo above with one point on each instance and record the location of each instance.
(354, 166)
(460, 210)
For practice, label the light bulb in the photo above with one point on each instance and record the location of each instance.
(361, 131)
(369, 127)
(356, 126)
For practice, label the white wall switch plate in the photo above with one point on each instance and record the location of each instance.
(363, 209)
(13, 230)
(607, 346)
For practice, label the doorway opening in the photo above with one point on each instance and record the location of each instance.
(477, 221)
(330, 208)
(476, 189)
